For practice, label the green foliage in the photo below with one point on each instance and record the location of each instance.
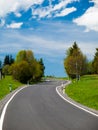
(8, 60)
(85, 91)
(21, 56)
(90, 68)
(6, 69)
(0, 64)
(24, 55)
(27, 68)
(21, 71)
(95, 62)
(4, 85)
(42, 67)
(75, 63)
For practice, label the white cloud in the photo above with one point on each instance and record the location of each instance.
(18, 14)
(65, 12)
(63, 4)
(90, 18)
(15, 25)
(16, 6)
(41, 12)
(14, 41)
(49, 10)
(7, 6)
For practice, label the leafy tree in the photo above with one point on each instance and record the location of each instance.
(6, 70)
(24, 55)
(90, 68)
(21, 71)
(36, 71)
(75, 62)
(26, 67)
(95, 62)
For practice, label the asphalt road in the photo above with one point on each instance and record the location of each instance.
(39, 107)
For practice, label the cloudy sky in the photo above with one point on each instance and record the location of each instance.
(48, 28)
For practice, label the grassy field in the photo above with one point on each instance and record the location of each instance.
(85, 91)
(5, 83)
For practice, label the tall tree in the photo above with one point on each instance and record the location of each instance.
(95, 62)
(8, 60)
(75, 62)
(0, 64)
(42, 67)
(11, 60)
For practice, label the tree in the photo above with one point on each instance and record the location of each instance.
(8, 60)
(95, 62)
(11, 60)
(26, 67)
(21, 71)
(0, 64)
(42, 67)
(24, 55)
(90, 68)
(6, 70)
(75, 62)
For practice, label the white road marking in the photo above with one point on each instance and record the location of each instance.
(92, 113)
(5, 108)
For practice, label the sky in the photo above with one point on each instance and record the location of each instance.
(48, 28)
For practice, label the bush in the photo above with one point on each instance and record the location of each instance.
(27, 68)
(21, 71)
(6, 70)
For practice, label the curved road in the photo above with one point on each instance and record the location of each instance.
(39, 107)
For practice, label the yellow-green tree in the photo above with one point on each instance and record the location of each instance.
(75, 62)
(26, 67)
(95, 62)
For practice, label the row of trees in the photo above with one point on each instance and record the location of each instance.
(76, 63)
(25, 68)
(8, 60)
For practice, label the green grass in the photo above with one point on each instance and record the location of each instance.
(4, 85)
(85, 91)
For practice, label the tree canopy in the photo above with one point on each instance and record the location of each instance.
(8, 60)
(27, 68)
(75, 62)
(95, 62)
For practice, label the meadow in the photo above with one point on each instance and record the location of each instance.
(5, 85)
(84, 91)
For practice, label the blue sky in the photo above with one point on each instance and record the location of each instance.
(48, 28)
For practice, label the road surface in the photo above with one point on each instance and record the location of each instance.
(39, 107)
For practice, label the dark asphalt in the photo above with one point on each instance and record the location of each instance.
(39, 107)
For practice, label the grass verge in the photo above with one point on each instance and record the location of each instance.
(85, 91)
(5, 83)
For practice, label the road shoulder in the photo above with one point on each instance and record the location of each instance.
(7, 97)
(63, 95)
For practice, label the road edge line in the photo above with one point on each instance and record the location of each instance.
(73, 103)
(6, 105)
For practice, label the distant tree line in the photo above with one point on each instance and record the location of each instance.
(77, 64)
(25, 68)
